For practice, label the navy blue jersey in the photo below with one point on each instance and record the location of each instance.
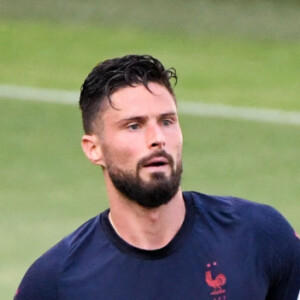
(226, 249)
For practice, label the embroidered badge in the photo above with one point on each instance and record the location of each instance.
(216, 282)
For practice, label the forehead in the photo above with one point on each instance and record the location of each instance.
(138, 100)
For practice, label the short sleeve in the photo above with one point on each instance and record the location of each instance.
(282, 254)
(40, 282)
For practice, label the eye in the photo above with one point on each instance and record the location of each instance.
(134, 126)
(166, 122)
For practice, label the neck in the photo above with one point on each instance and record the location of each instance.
(145, 228)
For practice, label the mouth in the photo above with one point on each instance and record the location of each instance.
(156, 162)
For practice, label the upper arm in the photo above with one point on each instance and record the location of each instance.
(40, 282)
(284, 258)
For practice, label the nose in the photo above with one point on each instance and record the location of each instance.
(155, 137)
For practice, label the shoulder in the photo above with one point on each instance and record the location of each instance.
(274, 241)
(264, 223)
(262, 217)
(41, 281)
(227, 209)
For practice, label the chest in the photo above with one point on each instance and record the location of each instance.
(196, 271)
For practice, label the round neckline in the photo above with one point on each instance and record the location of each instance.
(171, 247)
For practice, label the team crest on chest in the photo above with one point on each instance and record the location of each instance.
(216, 281)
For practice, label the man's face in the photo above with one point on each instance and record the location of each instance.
(141, 142)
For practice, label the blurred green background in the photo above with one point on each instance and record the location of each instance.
(241, 53)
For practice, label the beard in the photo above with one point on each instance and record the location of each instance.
(159, 190)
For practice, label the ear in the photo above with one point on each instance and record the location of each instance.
(92, 149)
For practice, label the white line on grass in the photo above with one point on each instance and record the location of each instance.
(185, 107)
(241, 113)
(38, 94)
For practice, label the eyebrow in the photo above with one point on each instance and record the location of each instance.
(144, 118)
(169, 114)
(132, 119)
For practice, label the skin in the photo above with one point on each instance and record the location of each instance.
(143, 123)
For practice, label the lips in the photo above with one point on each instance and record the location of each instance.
(156, 162)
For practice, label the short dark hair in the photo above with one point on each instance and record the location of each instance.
(109, 76)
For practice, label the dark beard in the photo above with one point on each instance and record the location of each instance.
(158, 191)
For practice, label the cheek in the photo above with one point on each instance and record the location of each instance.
(122, 155)
(127, 156)
(175, 142)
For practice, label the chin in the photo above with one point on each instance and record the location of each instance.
(157, 176)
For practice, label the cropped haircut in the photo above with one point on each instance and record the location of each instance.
(111, 75)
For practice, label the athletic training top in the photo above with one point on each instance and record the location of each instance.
(226, 249)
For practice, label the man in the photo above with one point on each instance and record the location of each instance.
(156, 242)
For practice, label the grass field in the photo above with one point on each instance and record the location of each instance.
(239, 71)
(48, 188)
